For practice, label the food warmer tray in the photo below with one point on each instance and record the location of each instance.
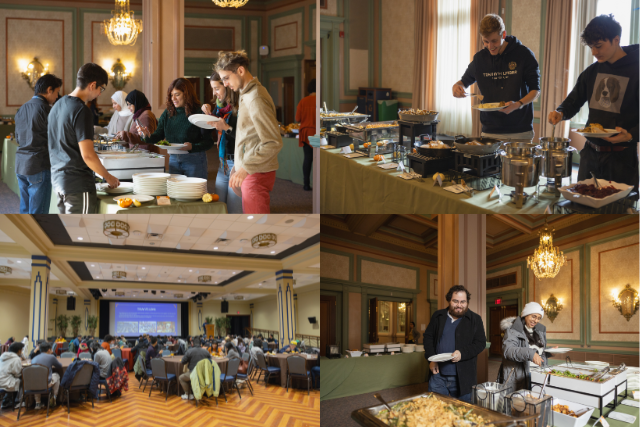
(374, 134)
(618, 207)
(620, 377)
(124, 165)
(366, 417)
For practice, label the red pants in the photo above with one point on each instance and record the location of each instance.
(255, 192)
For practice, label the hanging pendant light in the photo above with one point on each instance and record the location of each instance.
(230, 3)
(546, 259)
(122, 28)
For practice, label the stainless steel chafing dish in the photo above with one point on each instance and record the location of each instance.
(556, 161)
(391, 131)
(332, 118)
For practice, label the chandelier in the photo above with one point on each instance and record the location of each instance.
(5, 270)
(118, 275)
(546, 259)
(204, 279)
(122, 29)
(264, 240)
(34, 71)
(115, 229)
(230, 3)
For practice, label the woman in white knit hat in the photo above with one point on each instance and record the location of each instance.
(523, 346)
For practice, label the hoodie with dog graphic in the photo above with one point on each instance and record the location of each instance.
(611, 91)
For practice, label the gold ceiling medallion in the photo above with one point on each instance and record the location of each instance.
(552, 307)
(118, 275)
(546, 259)
(116, 229)
(122, 29)
(626, 301)
(264, 240)
(230, 3)
(204, 279)
(5, 270)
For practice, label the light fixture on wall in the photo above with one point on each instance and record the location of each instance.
(546, 259)
(552, 307)
(230, 3)
(264, 240)
(116, 229)
(5, 270)
(122, 28)
(118, 275)
(34, 71)
(119, 75)
(626, 301)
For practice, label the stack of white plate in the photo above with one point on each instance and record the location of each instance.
(152, 184)
(187, 189)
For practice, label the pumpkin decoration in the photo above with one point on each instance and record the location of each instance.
(351, 147)
(378, 157)
(136, 203)
(366, 145)
(125, 202)
(208, 198)
(379, 143)
(438, 174)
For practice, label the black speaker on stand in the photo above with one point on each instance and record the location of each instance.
(71, 303)
(224, 307)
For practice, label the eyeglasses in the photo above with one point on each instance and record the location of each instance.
(103, 88)
(226, 78)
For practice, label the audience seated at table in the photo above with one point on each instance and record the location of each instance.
(257, 348)
(230, 351)
(194, 355)
(84, 348)
(102, 358)
(9, 341)
(213, 349)
(76, 343)
(241, 346)
(152, 352)
(106, 344)
(48, 359)
(10, 373)
(60, 339)
(291, 348)
(272, 339)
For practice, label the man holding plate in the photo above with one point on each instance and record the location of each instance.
(610, 86)
(505, 71)
(452, 342)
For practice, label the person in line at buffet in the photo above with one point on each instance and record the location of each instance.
(523, 346)
(122, 117)
(306, 116)
(610, 87)
(505, 71)
(258, 139)
(138, 104)
(460, 331)
(175, 127)
(415, 335)
(73, 158)
(33, 167)
(225, 106)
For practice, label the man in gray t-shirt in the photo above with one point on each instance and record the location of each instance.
(46, 358)
(70, 139)
(194, 355)
(103, 359)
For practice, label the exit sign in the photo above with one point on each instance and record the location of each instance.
(238, 312)
(498, 301)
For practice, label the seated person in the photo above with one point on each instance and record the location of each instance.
(103, 359)
(76, 342)
(241, 347)
(152, 351)
(48, 359)
(9, 341)
(36, 351)
(11, 373)
(84, 348)
(257, 348)
(291, 348)
(230, 351)
(107, 343)
(214, 350)
(193, 356)
(61, 339)
(122, 341)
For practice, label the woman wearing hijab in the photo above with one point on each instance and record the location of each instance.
(121, 119)
(523, 346)
(139, 106)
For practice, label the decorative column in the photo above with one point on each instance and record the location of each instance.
(447, 256)
(295, 310)
(286, 309)
(39, 300)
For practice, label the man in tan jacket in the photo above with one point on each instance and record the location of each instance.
(258, 140)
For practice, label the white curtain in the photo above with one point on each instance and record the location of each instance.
(453, 46)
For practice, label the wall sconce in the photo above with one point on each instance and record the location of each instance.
(552, 307)
(119, 75)
(626, 301)
(34, 71)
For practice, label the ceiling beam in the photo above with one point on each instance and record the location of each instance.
(366, 225)
(422, 220)
(13, 250)
(7, 281)
(431, 242)
(513, 223)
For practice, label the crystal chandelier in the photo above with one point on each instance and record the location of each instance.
(546, 259)
(122, 29)
(230, 3)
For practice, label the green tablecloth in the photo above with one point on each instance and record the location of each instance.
(359, 186)
(356, 375)
(290, 160)
(5, 130)
(9, 149)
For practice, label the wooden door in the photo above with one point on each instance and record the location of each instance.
(196, 84)
(407, 323)
(288, 101)
(495, 333)
(309, 73)
(373, 320)
(327, 322)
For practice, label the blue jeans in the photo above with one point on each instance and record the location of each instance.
(447, 385)
(193, 165)
(234, 203)
(315, 373)
(35, 192)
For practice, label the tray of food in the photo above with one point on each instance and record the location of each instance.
(429, 409)
(476, 145)
(416, 115)
(596, 130)
(570, 414)
(371, 132)
(490, 106)
(586, 193)
(435, 149)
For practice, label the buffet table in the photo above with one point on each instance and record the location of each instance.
(359, 186)
(356, 375)
(279, 360)
(290, 160)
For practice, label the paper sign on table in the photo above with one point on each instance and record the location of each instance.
(622, 417)
(327, 147)
(353, 155)
(163, 200)
(401, 167)
(631, 403)
(346, 150)
(636, 394)
(495, 189)
(438, 180)
(602, 421)
(387, 166)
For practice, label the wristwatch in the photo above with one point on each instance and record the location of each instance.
(229, 130)
(521, 104)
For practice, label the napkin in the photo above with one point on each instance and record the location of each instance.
(622, 417)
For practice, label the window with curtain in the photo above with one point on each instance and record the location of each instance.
(583, 12)
(453, 47)
(402, 318)
(384, 317)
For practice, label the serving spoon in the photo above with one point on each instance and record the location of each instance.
(384, 402)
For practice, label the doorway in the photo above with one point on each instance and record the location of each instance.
(389, 321)
(327, 322)
(239, 324)
(289, 100)
(309, 74)
(496, 314)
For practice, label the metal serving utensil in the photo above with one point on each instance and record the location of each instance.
(595, 179)
(384, 402)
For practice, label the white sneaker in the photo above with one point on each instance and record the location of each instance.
(191, 396)
(38, 406)
(184, 396)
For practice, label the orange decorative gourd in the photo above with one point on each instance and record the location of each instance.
(125, 202)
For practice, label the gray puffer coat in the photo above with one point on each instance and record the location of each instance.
(516, 353)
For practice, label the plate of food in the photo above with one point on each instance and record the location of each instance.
(443, 357)
(166, 144)
(201, 120)
(596, 130)
(490, 106)
(417, 115)
(586, 193)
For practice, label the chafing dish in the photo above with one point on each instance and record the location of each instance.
(386, 130)
(520, 163)
(556, 162)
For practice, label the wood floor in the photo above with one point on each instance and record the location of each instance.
(272, 406)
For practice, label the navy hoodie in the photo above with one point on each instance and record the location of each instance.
(509, 76)
(612, 93)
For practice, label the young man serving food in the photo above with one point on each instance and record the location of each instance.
(610, 86)
(506, 72)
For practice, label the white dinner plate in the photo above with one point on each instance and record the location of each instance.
(596, 363)
(139, 197)
(490, 108)
(441, 357)
(186, 180)
(124, 187)
(150, 175)
(201, 120)
(558, 350)
(606, 134)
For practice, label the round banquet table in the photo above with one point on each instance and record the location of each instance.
(272, 345)
(280, 361)
(58, 348)
(175, 366)
(126, 354)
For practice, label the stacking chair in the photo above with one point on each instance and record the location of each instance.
(246, 356)
(230, 376)
(85, 355)
(67, 355)
(103, 383)
(147, 373)
(265, 346)
(118, 353)
(267, 370)
(159, 372)
(297, 367)
(35, 380)
(246, 376)
(64, 347)
(81, 382)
